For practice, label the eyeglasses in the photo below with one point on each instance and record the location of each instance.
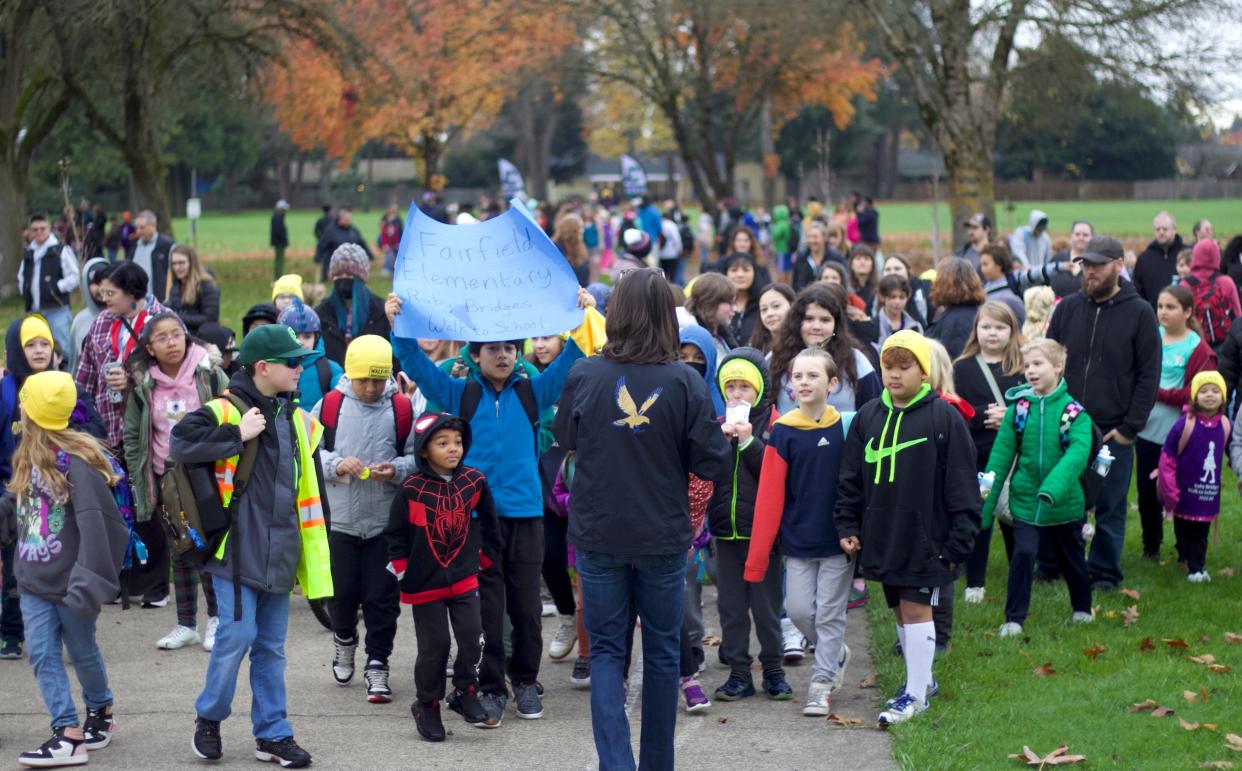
(168, 337)
(291, 363)
(180, 263)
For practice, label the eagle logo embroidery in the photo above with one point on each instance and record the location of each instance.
(635, 416)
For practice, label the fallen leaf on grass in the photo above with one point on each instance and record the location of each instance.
(1146, 644)
(1206, 658)
(1094, 650)
(711, 640)
(1177, 643)
(1231, 572)
(1130, 593)
(1216, 764)
(1109, 614)
(1233, 638)
(1044, 670)
(1190, 696)
(845, 721)
(1131, 616)
(868, 681)
(1235, 742)
(1161, 712)
(1144, 706)
(1196, 726)
(1057, 757)
(1220, 669)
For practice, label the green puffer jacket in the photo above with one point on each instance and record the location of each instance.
(1044, 489)
(210, 381)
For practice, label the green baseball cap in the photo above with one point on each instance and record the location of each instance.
(271, 341)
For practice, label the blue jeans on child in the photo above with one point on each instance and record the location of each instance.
(611, 585)
(261, 631)
(47, 625)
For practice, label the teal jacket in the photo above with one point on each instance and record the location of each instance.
(1044, 489)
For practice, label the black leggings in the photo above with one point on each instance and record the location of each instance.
(556, 563)
(1192, 542)
(977, 562)
(1151, 513)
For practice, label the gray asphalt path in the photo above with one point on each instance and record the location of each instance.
(155, 692)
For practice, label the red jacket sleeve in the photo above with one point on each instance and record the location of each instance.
(769, 506)
(1201, 359)
(1225, 285)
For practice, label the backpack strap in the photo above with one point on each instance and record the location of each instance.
(470, 398)
(1188, 428)
(241, 477)
(329, 414)
(987, 375)
(403, 418)
(1068, 415)
(1021, 411)
(473, 395)
(325, 375)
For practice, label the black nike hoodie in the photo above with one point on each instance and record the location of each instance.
(908, 490)
(441, 532)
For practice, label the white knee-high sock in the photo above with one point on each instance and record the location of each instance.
(920, 650)
(901, 638)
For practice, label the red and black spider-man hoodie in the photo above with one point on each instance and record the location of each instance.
(441, 531)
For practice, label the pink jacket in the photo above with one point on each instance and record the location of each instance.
(1206, 261)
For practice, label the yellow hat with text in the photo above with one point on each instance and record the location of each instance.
(368, 356)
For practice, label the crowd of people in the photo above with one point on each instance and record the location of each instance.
(150, 452)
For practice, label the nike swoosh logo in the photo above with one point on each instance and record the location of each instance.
(875, 456)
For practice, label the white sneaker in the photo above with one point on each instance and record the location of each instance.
(549, 609)
(564, 639)
(1081, 617)
(343, 660)
(843, 661)
(974, 595)
(1201, 577)
(902, 709)
(179, 637)
(792, 642)
(1009, 629)
(209, 635)
(818, 698)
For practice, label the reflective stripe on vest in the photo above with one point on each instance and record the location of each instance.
(315, 567)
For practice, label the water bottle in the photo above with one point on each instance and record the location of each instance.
(1103, 461)
(985, 483)
(114, 396)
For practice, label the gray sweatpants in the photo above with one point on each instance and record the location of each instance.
(738, 601)
(817, 591)
(692, 598)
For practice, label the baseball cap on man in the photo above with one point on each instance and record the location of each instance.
(1101, 250)
(980, 219)
(271, 341)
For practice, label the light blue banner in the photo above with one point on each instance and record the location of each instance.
(500, 279)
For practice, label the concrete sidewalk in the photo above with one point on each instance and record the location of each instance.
(155, 692)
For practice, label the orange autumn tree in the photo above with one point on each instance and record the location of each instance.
(713, 68)
(423, 71)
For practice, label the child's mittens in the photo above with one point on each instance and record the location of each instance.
(397, 568)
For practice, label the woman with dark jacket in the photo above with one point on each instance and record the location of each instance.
(640, 423)
(351, 310)
(742, 272)
(192, 293)
(956, 295)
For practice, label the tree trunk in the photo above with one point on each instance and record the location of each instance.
(12, 218)
(968, 165)
(151, 186)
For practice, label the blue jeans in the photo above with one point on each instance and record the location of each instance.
(59, 320)
(262, 629)
(611, 585)
(47, 626)
(1104, 562)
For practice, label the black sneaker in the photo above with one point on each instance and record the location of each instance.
(735, 688)
(11, 649)
(207, 743)
(376, 677)
(581, 676)
(98, 728)
(427, 721)
(526, 699)
(494, 706)
(57, 751)
(284, 751)
(466, 703)
(777, 687)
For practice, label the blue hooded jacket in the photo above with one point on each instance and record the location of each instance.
(503, 447)
(702, 339)
(308, 384)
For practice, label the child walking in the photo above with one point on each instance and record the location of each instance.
(436, 548)
(71, 543)
(1049, 436)
(990, 365)
(794, 501)
(908, 500)
(743, 377)
(581, 674)
(367, 431)
(173, 375)
(1191, 465)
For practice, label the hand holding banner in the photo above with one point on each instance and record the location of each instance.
(501, 279)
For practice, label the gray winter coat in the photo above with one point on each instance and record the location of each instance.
(366, 431)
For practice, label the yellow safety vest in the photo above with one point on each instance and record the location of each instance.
(315, 567)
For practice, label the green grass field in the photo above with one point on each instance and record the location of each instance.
(992, 702)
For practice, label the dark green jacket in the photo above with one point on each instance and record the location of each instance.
(1044, 489)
